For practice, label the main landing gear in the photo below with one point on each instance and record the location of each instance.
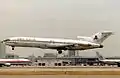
(118, 64)
(59, 51)
(13, 47)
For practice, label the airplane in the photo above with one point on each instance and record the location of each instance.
(108, 61)
(9, 62)
(81, 43)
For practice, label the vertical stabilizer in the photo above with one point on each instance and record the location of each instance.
(97, 38)
(101, 36)
(100, 57)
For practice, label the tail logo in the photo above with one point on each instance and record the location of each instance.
(96, 37)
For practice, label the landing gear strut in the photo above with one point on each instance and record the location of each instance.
(59, 51)
(118, 64)
(13, 47)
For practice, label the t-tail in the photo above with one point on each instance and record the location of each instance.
(100, 57)
(97, 38)
(101, 36)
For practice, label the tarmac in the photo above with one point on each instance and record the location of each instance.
(60, 70)
(59, 76)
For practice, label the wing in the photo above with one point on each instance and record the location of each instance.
(67, 46)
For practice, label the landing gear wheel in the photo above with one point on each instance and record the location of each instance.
(118, 64)
(1, 65)
(60, 52)
(13, 47)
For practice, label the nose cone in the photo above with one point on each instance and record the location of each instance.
(5, 40)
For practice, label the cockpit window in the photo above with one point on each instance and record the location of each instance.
(6, 40)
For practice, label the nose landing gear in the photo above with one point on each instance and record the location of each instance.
(13, 47)
(59, 51)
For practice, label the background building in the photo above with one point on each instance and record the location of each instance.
(2, 50)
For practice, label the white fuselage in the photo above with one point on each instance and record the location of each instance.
(9, 62)
(50, 43)
(111, 61)
(14, 60)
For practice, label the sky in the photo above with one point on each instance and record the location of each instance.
(60, 19)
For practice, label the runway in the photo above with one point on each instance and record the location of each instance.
(59, 76)
(60, 71)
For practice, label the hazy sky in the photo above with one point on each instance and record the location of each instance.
(60, 18)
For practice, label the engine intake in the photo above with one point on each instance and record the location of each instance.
(101, 46)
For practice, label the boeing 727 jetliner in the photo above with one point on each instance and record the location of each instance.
(83, 43)
(108, 61)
